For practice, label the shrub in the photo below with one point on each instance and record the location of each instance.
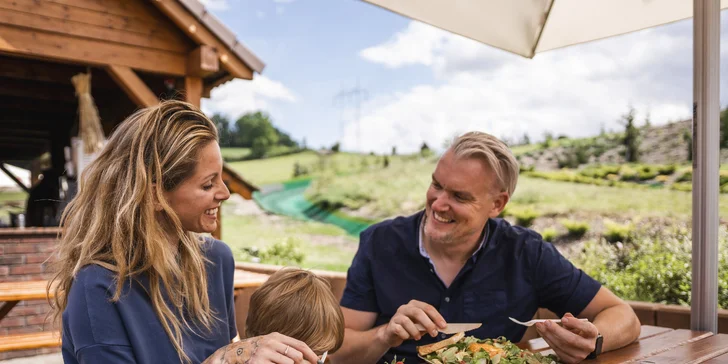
(686, 176)
(549, 234)
(666, 170)
(682, 186)
(525, 217)
(629, 174)
(662, 178)
(286, 252)
(614, 232)
(576, 229)
(723, 177)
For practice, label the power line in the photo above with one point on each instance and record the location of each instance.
(354, 96)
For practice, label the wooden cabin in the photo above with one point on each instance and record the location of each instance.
(137, 52)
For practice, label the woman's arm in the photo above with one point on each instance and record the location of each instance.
(269, 349)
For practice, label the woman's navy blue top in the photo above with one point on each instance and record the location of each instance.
(96, 330)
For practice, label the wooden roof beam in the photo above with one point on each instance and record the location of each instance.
(133, 86)
(202, 61)
(200, 34)
(59, 47)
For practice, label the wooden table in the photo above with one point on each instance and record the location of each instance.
(660, 345)
(13, 292)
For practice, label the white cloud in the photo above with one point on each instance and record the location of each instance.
(237, 97)
(215, 4)
(572, 91)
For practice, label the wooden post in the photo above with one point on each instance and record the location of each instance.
(133, 86)
(193, 90)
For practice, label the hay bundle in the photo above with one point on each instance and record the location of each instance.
(88, 116)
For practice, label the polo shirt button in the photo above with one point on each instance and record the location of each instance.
(443, 336)
(432, 271)
(447, 299)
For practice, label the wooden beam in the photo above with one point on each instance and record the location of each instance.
(19, 183)
(236, 183)
(36, 70)
(200, 34)
(217, 82)
(133, 86)
(202, 61)
(60, 47)
(193, 90)
(32, 20)
(157, 27)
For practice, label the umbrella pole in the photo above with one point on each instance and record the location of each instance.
(706, 163)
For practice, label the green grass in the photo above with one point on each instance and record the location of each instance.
(234, 153)
(325, 246)
(11, 202)
(279, 169)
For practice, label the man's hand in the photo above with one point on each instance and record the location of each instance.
(402, 325)
(573, 342)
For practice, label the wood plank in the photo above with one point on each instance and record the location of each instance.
(134, 87)
(193, 90)
(246, 279)
(646, 331)
(200, 34)
(37, 44)
(649, 346)
(722, 359)
(137, 9)
(37, 91)
(63, 26)
(160, 29)
(45, 339)
(692, 352)
(23, 291)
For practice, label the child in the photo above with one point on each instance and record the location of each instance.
(297, 303)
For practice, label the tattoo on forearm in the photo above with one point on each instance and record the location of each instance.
(252, 353)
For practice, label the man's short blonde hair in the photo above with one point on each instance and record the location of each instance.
(297, 303)
(492, 151)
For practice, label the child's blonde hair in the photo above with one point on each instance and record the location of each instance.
(297, 303)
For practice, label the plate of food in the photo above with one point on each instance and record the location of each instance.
(461, 349)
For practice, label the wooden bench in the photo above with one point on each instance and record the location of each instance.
(36, 340)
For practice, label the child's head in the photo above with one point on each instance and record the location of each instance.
(299, 304)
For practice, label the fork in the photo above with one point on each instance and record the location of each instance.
(533, 322)
(323, 358)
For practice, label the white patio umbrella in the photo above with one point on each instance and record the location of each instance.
(527, 27)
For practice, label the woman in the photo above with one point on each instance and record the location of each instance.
(136, 281)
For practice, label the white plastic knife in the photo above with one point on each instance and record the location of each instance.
(453, 328)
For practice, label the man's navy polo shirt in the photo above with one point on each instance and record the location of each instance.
(514, 274)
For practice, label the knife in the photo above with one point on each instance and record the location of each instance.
(453, 328)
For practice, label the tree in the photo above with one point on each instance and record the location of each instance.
(394, 150)
(425, 150)
(525, 140)
(724, 128)
(335, 147)
(648, 124)
(548, 139)
(688, 138)
(631, 137)
(223, 130)
(253, 126)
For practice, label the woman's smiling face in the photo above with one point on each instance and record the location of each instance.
(196, 200)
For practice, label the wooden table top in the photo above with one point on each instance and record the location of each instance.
(660, 345)
(36, 290)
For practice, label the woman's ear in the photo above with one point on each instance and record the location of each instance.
(157, 204)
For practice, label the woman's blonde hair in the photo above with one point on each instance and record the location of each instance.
(112, 220)
(299, 304)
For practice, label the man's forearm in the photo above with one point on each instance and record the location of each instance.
(618, 325)
(360, 347)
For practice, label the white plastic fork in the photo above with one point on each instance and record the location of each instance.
(323, 358)
(533, 322)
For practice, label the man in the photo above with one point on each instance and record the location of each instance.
(457, 262)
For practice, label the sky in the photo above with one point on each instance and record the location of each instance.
(331, 63)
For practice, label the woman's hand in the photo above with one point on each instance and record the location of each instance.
(269, 349)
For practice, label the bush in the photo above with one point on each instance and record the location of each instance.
(666, 170)
(524, 217)
(687, 176)
(655, 269)
(614, 232)
(549, 235)
(286, 252)
(682, 186)
(576, 229)
(628, 173)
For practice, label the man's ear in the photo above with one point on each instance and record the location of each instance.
(499, 204)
